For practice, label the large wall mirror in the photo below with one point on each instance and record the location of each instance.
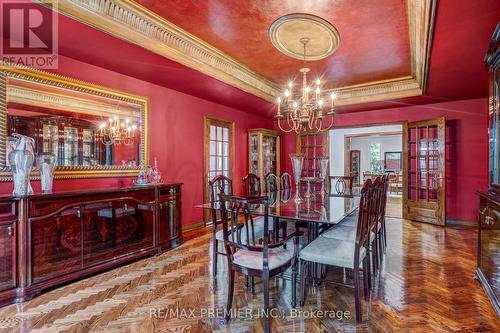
(93, 131)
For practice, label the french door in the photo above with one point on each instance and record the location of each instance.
(424, 153)
(219, 152)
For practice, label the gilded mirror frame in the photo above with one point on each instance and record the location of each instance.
(26, 74)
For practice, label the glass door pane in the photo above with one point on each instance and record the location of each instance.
(254, 154)
(50, 139)
(70, 146)
(88, 147)
(423, 163)
(269, 154)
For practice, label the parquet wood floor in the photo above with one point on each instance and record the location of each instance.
(425, 285)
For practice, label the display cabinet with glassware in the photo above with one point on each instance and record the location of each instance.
(488, 251)
(263, 153)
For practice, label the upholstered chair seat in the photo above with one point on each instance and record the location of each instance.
(333, 252)
(345, 233)
(253, 260)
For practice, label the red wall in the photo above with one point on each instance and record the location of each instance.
(175, 134)
(467, 149)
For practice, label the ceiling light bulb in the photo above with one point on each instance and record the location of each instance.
(279, 99)
(318, 81)
(333, 95)
(127, 120)
(317, 91)
(134, 127)
(307, 89)
(287, 93)
(295, 104)
(320, 102)
(103, 124)
(290, 84)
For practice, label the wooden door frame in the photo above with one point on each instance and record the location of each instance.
(206, 151)
(442, 188)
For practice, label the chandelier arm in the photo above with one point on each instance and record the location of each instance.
(331, 124)
(293, 125)
(281, 128)
(312, 121)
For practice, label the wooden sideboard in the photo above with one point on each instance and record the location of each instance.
(50, 239)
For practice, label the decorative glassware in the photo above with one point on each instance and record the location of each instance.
(297, 161)
(323, 168)
(141, 179)
(154, 174)
(47, 165)
(21, 160)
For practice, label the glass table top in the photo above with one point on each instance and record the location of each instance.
(317, 208)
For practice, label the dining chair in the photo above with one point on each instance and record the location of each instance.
(270, 183)
(285, 181)
(381, 229)
(246, 255)
(251, 185)
(217, 185)
(346, 230)
(342, 253)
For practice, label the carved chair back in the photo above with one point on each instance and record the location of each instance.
(251, 185)
(286, 181)
(218, 185)
(271, 183)
(364, 220)
(341, 185)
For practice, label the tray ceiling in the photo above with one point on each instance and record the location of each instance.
(382, 55)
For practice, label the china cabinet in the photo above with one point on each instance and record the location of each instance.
(73, 141)
(264, 153)
(50, 239)
(488, 251)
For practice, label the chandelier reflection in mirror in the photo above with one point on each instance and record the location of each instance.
(116, 131)
(307, 109)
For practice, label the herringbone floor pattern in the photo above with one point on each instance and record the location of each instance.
(425, 285)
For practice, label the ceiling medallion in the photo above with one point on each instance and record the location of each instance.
(285, 34)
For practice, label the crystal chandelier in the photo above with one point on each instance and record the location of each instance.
(305, 110)
(115, 131)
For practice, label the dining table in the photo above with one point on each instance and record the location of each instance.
(316, 213)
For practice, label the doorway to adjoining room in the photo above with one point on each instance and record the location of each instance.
(366, 152)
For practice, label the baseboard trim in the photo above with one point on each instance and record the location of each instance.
(193, 226)
(460, 223)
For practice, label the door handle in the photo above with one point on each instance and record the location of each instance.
(9, 231)
(78, 214)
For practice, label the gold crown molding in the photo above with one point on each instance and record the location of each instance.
(389, 89)
(421, 15)
(132, 22)
(8, 71)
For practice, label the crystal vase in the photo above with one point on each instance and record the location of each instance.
(297, 160)
(323, 169)
(21, 160)
(154, 174)
(47, 165)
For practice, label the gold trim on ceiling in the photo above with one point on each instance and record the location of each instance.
(133, 23)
